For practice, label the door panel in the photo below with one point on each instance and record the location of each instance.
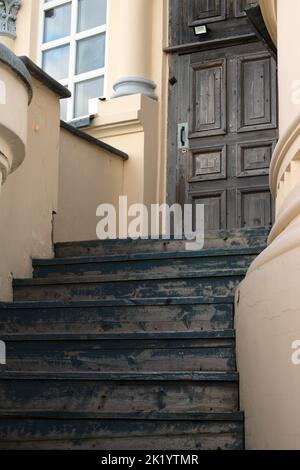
(254, 207)
(215, 208)
(207, 163)
(254, 158)
(257, 93)
(227, 94)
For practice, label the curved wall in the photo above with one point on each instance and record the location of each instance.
(15, 95)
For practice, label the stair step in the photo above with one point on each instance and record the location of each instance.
(210, 351)
(216, 239)
(116, 345)
(218, 283)
(148, 335)
(120, 393)
(121, 316)
(166, 263)
(158, 431)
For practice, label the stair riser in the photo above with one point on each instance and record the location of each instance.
(123, 435)
(129, 269)
(121, 355)
(215, 286)
(223, 239)
(122, 319)
(118, 397)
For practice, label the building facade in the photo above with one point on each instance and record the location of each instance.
(131, 115)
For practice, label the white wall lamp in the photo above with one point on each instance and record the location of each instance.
(200, 30)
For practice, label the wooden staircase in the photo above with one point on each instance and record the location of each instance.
(126, 345)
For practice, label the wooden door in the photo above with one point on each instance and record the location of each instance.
(223, 90)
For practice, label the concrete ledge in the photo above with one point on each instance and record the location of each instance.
(43, 77)
(93, 140)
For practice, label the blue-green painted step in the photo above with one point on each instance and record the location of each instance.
(120, 393)
(167, 263)
(173, 351)
(218, 283)
(243, 238)
(179, 431)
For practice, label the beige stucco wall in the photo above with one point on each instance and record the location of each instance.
(134, 124)
(267, 323)
(268, 300)
(145, 58)
(132, 49)
(130, 123)
(288, 61)
(88, 176)
(29, 196)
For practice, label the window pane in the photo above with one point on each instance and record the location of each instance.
(56, 62)
(84, 91)
(91, 13)
(57, 22)
(90, 54)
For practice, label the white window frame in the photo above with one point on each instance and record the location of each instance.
(71, 40)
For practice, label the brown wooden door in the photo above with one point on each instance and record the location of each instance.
(224, 87)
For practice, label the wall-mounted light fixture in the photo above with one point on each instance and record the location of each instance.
(200, 30)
